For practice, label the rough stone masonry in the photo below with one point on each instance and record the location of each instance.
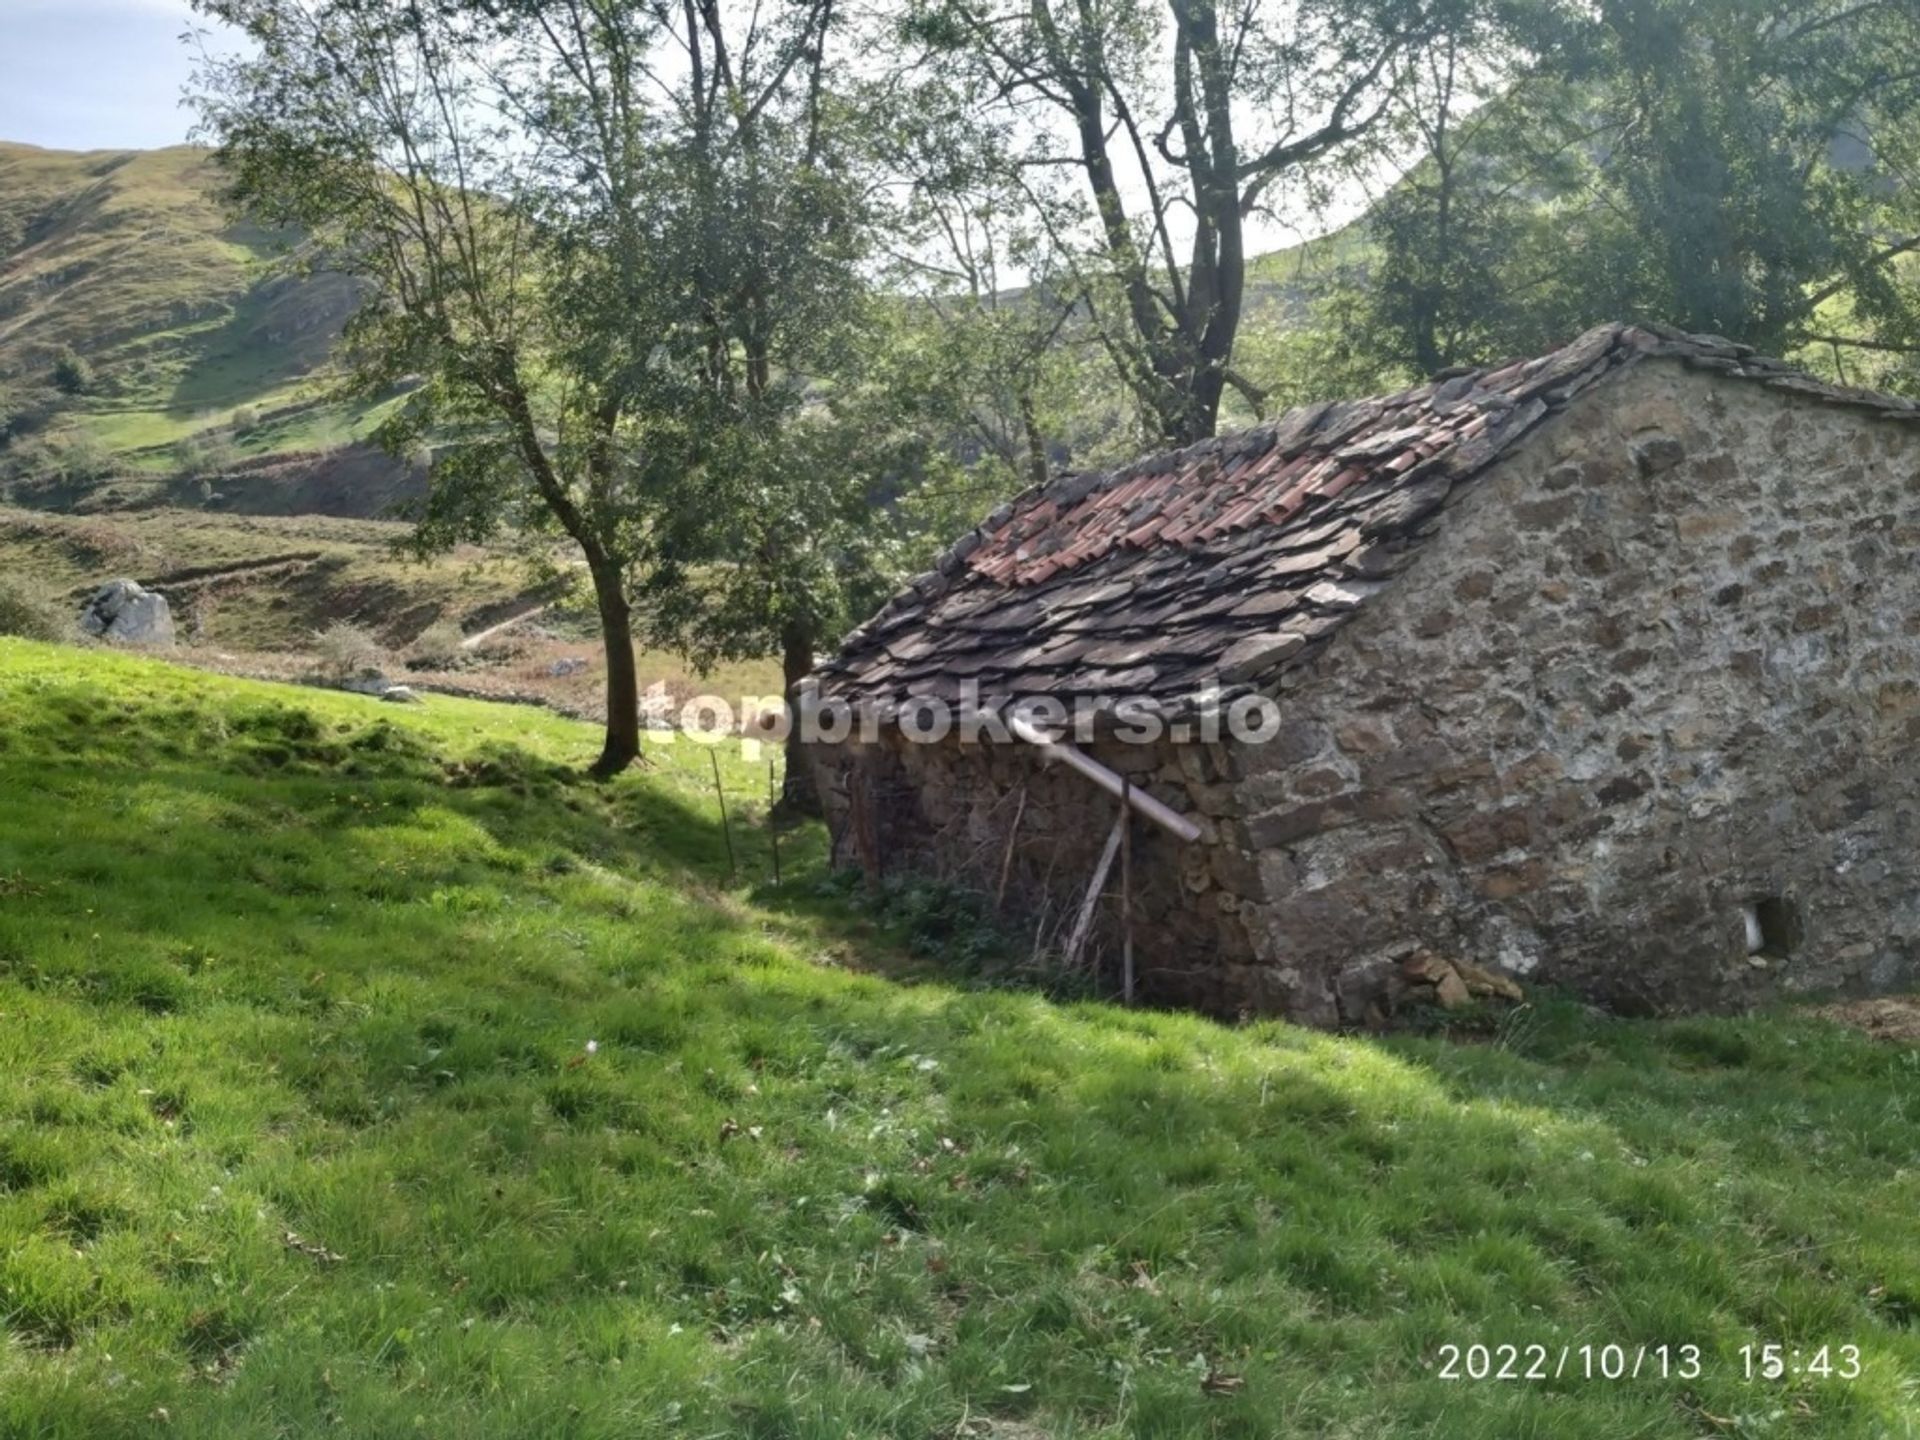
(1614, 685)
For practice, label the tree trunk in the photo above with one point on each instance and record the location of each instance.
(1036, 442)
(798, 796)
(623, 676)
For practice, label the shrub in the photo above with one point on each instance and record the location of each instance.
(72, 375)
(345, 651)
(27, 617)
(24, 410)
(205, 455)
(438, 646)
(63, 457)
(245, 420)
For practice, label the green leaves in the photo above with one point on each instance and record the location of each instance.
(1715, 164)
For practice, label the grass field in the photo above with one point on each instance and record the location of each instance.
(301, 1134)
(292, 419)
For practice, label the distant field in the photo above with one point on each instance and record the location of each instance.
(291, 418)
(251, 594)
(258, 582)
(302, 1134)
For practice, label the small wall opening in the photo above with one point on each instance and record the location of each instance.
(1773, 927)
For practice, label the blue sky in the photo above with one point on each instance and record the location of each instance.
(94, 74)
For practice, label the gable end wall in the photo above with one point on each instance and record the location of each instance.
(1661, 663)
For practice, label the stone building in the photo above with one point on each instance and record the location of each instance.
(1600, 670)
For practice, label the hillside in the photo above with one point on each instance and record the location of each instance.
(129, 260)
(204, 455)
(301, 1132)
(255, 583)
(209, 361)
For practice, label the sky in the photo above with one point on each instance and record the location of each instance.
(95, 74)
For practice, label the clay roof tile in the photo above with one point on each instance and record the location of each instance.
(1169, 566)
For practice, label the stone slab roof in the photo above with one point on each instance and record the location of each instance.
(1235, 558)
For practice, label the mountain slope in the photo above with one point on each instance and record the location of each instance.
(131, 261)
(130, 258)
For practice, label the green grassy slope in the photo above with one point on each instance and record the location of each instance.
(300, 1134)
(130, 259)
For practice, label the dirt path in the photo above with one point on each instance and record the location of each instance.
(473, 642)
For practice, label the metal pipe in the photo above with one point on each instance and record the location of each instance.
(1166, 819)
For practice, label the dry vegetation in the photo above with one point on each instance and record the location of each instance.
(252, 594)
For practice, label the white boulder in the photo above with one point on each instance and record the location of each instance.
(128, 613)
(367, 682)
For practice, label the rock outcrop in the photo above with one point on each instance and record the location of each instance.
(127, 613)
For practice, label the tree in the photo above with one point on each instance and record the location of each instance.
(1744, 158)
(766, 546)
(522, 185)
(1188, 118)
(988, 313)
(1439, 283)
(1733, 166)
(794, 539)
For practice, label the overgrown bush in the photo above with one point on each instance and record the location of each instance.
(245, 421)
(345, 650)
(72, 375)
(28, 618)
(25, 409)
(438, 646)
(206, 454)
(62, 457)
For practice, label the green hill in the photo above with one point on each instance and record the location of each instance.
(203, 441)
(301, 1134)
(130, 261)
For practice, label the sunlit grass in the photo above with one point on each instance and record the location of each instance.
(290, 419)
(300, 1134)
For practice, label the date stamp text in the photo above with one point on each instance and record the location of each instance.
(1768, 1362)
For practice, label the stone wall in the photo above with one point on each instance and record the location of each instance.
(1656, 679)
(949, 811)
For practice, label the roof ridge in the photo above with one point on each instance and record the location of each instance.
(1332, 491)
